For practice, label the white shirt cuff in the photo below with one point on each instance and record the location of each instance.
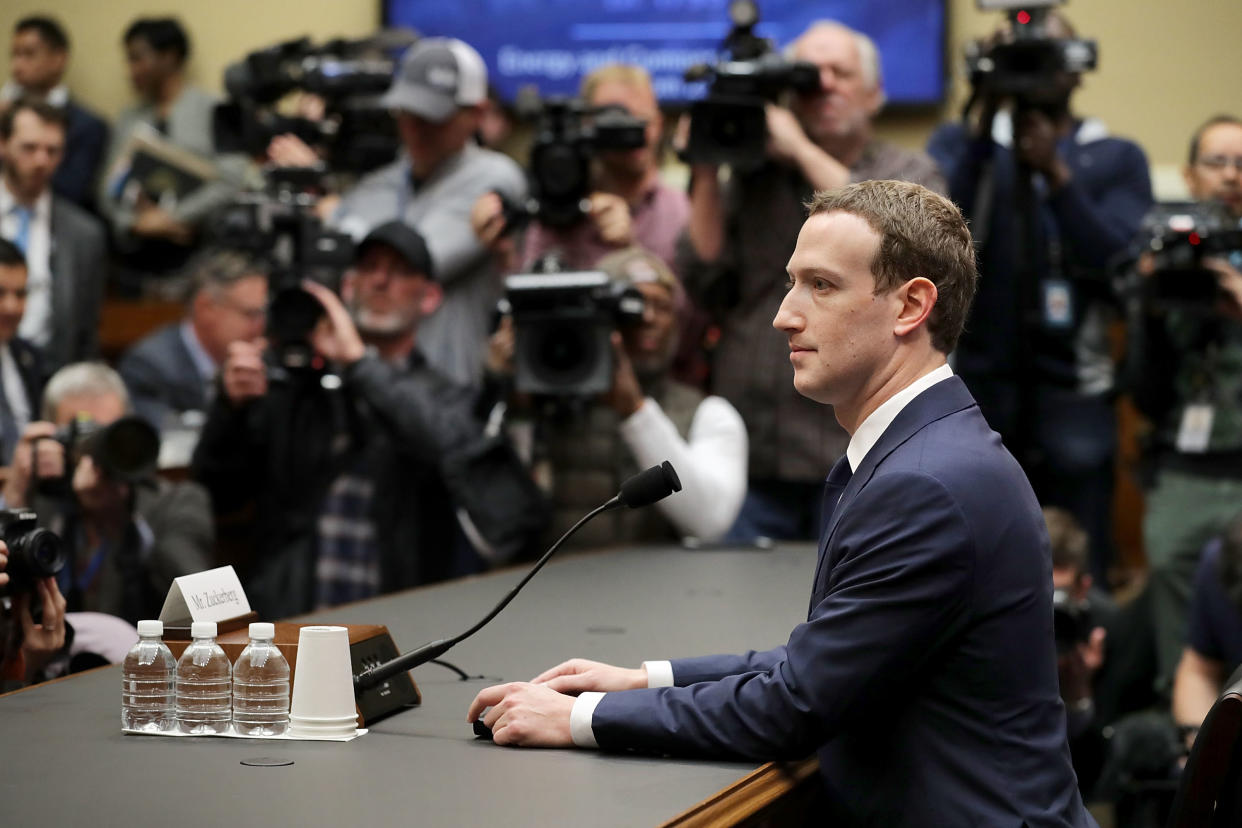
(659, 673)
(580, 720)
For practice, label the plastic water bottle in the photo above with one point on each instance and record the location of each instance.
(261, 686)
(148, 678)
(204, 679)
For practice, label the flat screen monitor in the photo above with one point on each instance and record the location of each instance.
(551, 44)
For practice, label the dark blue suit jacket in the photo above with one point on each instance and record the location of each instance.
(86, 135)
(161, 376)
(925, 674)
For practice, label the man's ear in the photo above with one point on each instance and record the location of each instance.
(433, 295)
(918, 297)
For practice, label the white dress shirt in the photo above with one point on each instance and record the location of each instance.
(36, 325)
(14, 388)
(868, 433)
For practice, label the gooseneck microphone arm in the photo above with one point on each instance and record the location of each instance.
(640, 490)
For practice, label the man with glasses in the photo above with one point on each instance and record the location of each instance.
(173, 370)
(1188, 381)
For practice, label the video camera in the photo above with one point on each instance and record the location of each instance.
(729, 125)
(1179, 235)
(34, 553)
(563, 324)
(569, 134)
(280, 226)
(1026, 64)
(1071, 621)
(349, 75)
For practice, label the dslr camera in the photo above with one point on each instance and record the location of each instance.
(34, 553)
(349, 75)
(126, 450)
(569, 134)
(1179, 235)
(1029, 60)
(563, 324)
(729, 125)
(280, 226)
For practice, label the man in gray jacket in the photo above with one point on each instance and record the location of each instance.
(62, 244)
(437, 97)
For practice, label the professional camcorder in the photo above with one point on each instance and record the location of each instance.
(348, 75)
(569, 134)
(1026, 63)
(34, 553)
(1071, 621)
(563, 324)
(729, 125)
(280, 225)
(1178, 236)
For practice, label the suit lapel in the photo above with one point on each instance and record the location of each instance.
(942, 399)
(61, 265)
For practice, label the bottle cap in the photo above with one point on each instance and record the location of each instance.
(146, 629)
(203, 629)
(262, 629)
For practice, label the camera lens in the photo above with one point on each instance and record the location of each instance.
(45, 556)
(564, 352)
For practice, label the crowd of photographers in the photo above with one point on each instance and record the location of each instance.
(403, 358)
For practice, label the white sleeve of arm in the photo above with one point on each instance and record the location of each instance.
(580, 729)
(711, 464)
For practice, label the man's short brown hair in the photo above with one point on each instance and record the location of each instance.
(1070, 546)
(921, 234)
(42, 110)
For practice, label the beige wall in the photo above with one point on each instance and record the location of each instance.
(220, 31)
(1166, 65)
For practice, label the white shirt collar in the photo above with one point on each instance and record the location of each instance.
(202, 360)
(878, 421)
(58, 96)
(1088, 132)
(42, 206)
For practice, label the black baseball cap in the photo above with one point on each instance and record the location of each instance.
(404, 239)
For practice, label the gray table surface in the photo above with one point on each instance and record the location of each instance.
(66, 761)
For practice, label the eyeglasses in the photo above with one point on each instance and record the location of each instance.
(250, 314)
(1216, 163)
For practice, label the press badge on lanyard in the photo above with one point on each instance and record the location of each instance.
(1196, 428)
(1058, 303)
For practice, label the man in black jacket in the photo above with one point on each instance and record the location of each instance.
(361, 478)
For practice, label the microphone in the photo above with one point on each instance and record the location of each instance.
(643, 489)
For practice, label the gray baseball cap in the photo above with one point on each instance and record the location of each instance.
(438, 75)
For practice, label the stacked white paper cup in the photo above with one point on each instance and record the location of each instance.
(323, 685)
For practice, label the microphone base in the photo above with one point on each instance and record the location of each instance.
(369, 646)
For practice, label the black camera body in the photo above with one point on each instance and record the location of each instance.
(569, 134)
(34, 553)
(563, 324)
(729, 126)
(1026, 66)
(1071, 621)
(1179, 235)
(126, 450)
(349, 75)
(280, 226)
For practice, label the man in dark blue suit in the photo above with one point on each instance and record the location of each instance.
(925, 675)
(39, 59)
